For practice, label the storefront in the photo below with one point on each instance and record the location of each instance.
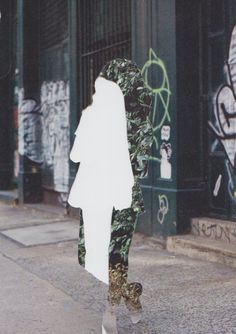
(186, 53)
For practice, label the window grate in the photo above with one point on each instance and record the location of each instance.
(53, 22)
(105, 34)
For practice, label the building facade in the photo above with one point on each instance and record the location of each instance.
(53, 51)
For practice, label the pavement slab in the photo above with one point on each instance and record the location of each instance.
(12, 216)
(32, 305)
(43, 234)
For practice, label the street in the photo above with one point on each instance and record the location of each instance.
(44, 290)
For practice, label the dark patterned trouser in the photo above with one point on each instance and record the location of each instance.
(122, 228)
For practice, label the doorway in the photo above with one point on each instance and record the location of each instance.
(219, 82)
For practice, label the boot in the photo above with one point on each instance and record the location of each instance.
(131, 293)
(119, 287)
(117, 279)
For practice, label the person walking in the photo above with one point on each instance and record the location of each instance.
(112, 144)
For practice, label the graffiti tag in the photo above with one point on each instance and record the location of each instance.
(223, 124)
(56, 143)
(163, 208)
(161, 94)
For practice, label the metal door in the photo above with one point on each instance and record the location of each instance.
(219, 82)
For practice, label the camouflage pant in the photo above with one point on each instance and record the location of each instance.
(122, 228)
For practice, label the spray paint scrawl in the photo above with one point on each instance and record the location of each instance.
(223, 124)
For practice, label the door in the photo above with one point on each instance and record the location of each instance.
(219, 82)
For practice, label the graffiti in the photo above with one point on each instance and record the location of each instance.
(165, 132)
(43, 132)
(17, 103)
(217, 185)
(56, 143)
(214, 145)
(20, 95)
(163, 208)
(165, 167)
(215, 231)
(30, 129)
(232, 182)
(223, 124)
(161, 93)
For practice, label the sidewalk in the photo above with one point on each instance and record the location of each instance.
(44, 290)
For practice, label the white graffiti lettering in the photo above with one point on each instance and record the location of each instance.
(223, 123)
(30, 130)
(56, 144)
(217, 185)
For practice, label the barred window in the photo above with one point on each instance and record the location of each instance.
(105, 27)
(53, 22)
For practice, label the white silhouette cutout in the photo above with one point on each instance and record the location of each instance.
(105, 178)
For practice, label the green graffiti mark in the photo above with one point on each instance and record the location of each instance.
(163, 208)
(161, 93)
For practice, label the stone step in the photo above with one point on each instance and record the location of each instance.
(215, 229)
(203, 248)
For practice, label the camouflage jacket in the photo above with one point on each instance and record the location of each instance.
(139, 128)
(139, 141)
